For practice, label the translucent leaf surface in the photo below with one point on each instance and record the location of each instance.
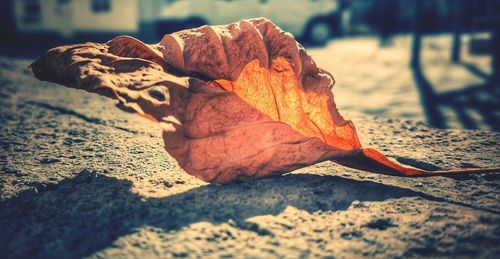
(235, 102)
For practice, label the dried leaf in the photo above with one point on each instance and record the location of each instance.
(236, 102)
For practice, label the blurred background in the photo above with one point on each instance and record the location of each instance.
(431, 60)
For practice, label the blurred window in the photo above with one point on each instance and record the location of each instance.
(101, 6)
(32, 11)
(61, 4)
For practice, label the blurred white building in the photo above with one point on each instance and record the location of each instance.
(67, 17)
(315, 20)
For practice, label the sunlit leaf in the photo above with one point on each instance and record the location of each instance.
(236, 102)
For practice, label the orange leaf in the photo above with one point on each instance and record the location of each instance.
(236, 102)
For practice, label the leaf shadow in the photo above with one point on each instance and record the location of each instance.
(85, 214)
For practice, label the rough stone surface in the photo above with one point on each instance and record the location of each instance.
(79, 177)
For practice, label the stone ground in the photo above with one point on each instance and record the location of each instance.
(80, 178)
(378, 81)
